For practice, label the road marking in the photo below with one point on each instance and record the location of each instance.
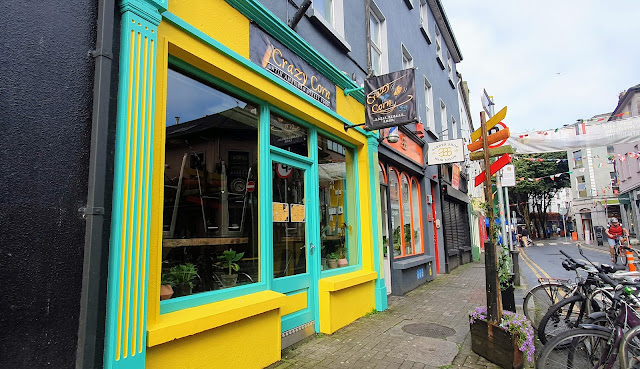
(566, 243)
(533, 266)
(553, 243)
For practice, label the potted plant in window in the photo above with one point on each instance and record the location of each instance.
(181, 277)
(229, 261)
(342, 252)
(332, 260)
(166, 287)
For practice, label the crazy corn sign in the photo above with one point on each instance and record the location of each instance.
(284, 64)
(391, 100)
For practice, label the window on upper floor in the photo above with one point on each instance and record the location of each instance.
(614, 183)
(329, 14)
(424, 15)
(377, 40)
(454, 128)
(444, 126)
(577, 159)
(438, 42)
(450, 66)
(407, 59)
(582, 186)
(429, 118)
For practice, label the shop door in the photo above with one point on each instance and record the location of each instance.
(293, 243)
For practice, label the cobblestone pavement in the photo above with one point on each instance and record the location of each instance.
(381, 339)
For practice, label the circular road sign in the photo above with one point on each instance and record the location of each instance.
(284, 171)
(501, 127)
(251, 185)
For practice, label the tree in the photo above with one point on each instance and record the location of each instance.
(538, 188)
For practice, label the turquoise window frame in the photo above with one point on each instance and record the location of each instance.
(264, 189)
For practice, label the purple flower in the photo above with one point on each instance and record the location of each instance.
(514, 323)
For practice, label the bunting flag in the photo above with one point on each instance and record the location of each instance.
(552, 177)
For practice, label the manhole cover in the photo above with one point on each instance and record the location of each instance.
(429, 330)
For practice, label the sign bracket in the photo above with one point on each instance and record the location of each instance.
(347, 126)
(349, 91)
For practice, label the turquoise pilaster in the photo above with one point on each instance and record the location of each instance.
(125, 336)
(374, 183)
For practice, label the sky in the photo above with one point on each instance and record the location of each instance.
(549, 62)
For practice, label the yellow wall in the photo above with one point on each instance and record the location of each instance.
(249, 343)
(253, 341)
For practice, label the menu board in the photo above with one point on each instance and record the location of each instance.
(280, 212)
(297, 213)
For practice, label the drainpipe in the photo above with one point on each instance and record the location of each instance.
(367, 17)
(93, 296)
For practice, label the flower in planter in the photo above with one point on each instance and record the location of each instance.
(514, 323)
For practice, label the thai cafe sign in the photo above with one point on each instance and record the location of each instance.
(390, 100)
(271, 55)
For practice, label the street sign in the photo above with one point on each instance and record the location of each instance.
(251, 185)
(441, 152)
(499, 127)
(487, 102)
(490, 123)
(509, 176)
(284, 171)
(496, 166)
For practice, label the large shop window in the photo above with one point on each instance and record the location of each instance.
(384, 212)
(406, 216)
(210, 219)
(416, 211)
(338, 217)
(396, 222)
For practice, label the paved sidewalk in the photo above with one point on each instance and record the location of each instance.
(403, 335)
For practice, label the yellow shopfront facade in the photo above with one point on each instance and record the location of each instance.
(237, 185)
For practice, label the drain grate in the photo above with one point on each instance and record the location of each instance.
(431, 330)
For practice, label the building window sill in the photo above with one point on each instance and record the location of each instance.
(452, 84)
(192, 321)
(425, 33)
(317, 19)
(409, 3)
(440, 62)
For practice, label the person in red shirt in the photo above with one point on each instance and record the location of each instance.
(614, 231)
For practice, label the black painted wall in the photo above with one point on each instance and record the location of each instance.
(46, 84)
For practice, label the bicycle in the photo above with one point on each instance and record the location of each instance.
(592, 345)
(619, 251)
(541, 297)
(590, 295)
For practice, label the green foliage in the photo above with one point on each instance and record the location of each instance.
(229, 259)
(504, 269)
(372, 312)
(180, 275)
(333, 256)
(541, 169)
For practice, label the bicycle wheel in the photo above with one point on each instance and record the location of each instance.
(630, 349)
(621, 255)
(540, 298)
(601, 300)
(578, 348)
(563, 316)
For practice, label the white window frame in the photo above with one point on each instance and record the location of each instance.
(454, 132)
(382, 48)
(336, 20)
(428, 99)
(444, 125)
(438, 42)
(450, 66)
(407, 59)
(424, 15)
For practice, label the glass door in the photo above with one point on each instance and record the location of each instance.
(292, 246)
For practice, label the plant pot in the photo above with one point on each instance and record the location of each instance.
(332, 263)
(182, 290)
(496, 345)
(342, 263)
(228, 280)
(166, 291)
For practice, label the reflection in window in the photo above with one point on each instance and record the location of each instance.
(416, 211)
(396, 223)
(337, 204)
(289, 136)
(384, 212)
(406, 216)
(289, 221)
(210, 157)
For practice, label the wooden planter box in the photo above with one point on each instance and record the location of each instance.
(496, 345)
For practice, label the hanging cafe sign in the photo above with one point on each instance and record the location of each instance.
(390, 100)
(289, 67)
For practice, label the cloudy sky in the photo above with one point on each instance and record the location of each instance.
(549, 62)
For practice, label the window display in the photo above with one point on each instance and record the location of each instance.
(210, 219)
(406, 216)
(416, 220)
(396, 225)
(338, 220)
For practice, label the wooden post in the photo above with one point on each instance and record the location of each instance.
(494, 300)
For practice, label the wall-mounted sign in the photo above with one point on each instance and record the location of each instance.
(297, 213)
(390, 100)
(265, 51)
(508, 175)
(280, 212)
(451, 151)
(455, 176)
